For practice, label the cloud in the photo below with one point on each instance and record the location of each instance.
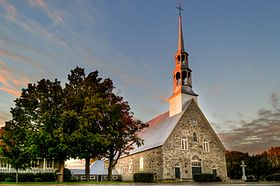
(9, 82)
(9, 9)
(258, 134)
(11, 91)
(55, 15)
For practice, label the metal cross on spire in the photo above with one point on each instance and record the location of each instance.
(180, 8)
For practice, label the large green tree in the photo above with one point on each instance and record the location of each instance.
(37, 121)
(86, 104)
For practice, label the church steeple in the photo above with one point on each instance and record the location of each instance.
(182, 75)
(180, 34)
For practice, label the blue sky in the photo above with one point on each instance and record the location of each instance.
(234, 49)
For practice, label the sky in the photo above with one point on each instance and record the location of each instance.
(233, 46)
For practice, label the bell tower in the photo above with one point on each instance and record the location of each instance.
(182, 76)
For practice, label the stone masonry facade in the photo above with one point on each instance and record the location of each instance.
(201, 148)
(193, 123)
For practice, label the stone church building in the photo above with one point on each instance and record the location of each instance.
(180, 142)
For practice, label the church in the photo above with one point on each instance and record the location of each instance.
(179, 143)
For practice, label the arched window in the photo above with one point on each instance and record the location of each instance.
(184, 143)
(121, 168)
(130, 166)
(206, 147)
(178, 78)
(141, 164)
(194, 137)
(184, 77)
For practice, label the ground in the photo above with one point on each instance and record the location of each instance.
(133, 184)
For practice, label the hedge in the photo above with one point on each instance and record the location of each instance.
(28, 177)
(206, 178)
(143, 177)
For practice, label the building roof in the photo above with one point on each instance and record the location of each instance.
(158, 131)
(96, 168)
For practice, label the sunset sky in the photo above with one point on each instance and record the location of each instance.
(234, 49)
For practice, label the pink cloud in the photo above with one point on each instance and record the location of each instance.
(8, 81)
(9, 8)
(11, 91)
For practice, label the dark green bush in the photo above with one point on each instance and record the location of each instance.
(29, 177)
(38, 179)
(276, 177)
(9, 179)
(143, 177)
(67, 175)
(269, 178)
(251, 178)
(206, 178)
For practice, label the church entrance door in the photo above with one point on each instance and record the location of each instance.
(177, 172)
(196, 168)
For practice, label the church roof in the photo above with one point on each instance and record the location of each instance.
(158, 131)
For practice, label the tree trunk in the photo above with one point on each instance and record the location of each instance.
(87, 170)
(110, 168)
(16, 176)
(61, 171)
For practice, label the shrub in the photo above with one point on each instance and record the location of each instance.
(38, 179)
(276, 177)
(10, 179)
(206, 178)
(251, 178)
(143, 177)
(269, 178)
(29, 177)
(67, 175)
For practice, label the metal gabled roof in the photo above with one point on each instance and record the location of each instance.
(158, 131)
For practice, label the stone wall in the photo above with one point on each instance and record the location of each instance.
(193, 121)
(152, 163)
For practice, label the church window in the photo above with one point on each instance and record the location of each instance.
(178, 78)
(141, 164)
(121, 168)
(206, 147)
(184, 77)
(194, 137)
(184, 143)
(194, 122)
(130, 166)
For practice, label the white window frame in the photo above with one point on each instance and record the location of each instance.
(184, 143)
(121, 168)
(92, 177)
(206, 146)
(52, 164)
(83, 177)
(130, 166)
(141, 164)
(3, 164)
(36, 163)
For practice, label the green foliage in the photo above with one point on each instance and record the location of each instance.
(143, 177)
(206, 178)
(10, 179)
(67, 175)
(260, 166)
(29, 177)
(276, 177)
(83, 120)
